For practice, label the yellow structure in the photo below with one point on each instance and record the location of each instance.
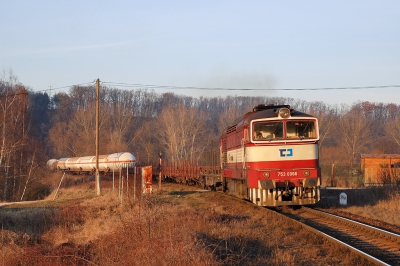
(380, 168)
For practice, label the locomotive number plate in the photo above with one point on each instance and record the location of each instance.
(288, 173)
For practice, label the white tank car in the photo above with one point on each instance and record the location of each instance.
(86, 164)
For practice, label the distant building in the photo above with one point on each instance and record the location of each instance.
(380, 168)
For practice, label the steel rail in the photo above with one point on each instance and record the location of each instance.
(383, 233)
(362, 240)
(337, 241)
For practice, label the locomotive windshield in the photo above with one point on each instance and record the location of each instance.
(289, 129)
(300, 130)
(267, 130)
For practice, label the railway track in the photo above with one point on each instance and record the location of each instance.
(379, 246)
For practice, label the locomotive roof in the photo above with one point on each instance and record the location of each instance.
(265, 111)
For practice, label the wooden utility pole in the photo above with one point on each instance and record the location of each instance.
(160, 173)
(97, 136)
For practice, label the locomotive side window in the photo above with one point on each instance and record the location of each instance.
(246, 134)
(300, 130)
(267, 130)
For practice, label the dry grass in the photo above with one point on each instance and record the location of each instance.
(175, 227)
(378, 207)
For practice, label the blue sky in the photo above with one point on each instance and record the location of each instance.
(215, 44)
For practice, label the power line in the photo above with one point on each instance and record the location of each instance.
(65, 87)
(147, 86)
(51, 89)
(117, 84)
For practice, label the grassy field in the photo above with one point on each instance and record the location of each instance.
(180, 226)
(387, 210)
(377, 203)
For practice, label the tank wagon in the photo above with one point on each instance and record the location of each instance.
(87, 164)
(270, 157)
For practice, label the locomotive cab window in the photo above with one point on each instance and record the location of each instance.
(300, 129)
(267, 130)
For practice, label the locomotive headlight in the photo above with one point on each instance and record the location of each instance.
(266, 174)
(306, 173)
(284, 112)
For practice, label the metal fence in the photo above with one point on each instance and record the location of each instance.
(346, 175)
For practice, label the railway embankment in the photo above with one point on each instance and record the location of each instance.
(179, 226)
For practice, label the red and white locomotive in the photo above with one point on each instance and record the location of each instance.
(270, 157)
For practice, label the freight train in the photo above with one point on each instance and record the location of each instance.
(87, 164)
(270, 157)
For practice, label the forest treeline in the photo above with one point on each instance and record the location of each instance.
(36, 127)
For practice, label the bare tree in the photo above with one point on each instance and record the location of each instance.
(148, 142)
(231, 112)
(392, 129)
(8, 102)
(326, 119)
(83, 127)
(15, 134)
(180, 131)
(62, 108)
(121, 125)
(29, 178)
(355, 132)
(73, 134)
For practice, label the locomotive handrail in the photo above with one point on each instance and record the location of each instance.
(244, 154)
